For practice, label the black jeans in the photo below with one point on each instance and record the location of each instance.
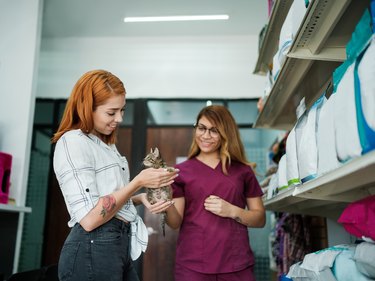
(102, 254)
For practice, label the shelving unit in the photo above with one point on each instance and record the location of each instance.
(317, 50)
(328, 194)
(326, 29)
(283, 202)
(297, 79)
(352, 181)
(271, 38)
(14, 209)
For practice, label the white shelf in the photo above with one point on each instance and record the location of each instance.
(271, 38)
(14, 209)
(297, 79)
(326, 29)
(283, 201)
(288, 202)
(350, 182)
(328, 194)
(317, 50)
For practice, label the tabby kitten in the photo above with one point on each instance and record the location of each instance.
(154, 160)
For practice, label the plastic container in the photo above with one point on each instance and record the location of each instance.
(5, 169)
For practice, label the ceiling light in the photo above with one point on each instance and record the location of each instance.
(176, 18)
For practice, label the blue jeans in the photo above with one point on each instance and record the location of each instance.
(102, 254)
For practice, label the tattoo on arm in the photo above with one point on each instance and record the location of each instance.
(108, 204)
(238, 219)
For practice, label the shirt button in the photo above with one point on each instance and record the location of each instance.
(123, 168)
(87, 190)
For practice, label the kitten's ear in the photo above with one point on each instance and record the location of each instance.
(151, 150)
(156, 151)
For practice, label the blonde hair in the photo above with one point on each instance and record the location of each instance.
(231, 148)
(93, 89)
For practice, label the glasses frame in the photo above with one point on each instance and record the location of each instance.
(201, 130)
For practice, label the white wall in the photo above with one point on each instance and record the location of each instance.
(159, 67)
(20, 33)
(20, 25)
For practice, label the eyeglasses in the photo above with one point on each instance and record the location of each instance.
(201, 130)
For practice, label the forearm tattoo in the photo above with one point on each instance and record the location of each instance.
(108, 204)
(238, 219)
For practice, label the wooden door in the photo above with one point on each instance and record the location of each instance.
(56, 227)
(158, 261)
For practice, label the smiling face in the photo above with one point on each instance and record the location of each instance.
(207, 137)
(108, 116)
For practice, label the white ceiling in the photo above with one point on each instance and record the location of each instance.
(205, 59)
(104, 18)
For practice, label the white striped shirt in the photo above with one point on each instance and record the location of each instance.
(87, 169)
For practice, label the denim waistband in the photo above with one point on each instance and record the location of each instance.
(113, 224)
(121, 219)
(117, 223)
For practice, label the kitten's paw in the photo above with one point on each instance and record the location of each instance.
(169, 169)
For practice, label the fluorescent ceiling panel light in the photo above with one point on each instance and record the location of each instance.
(176, 18)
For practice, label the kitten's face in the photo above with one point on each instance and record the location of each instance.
(153, 159)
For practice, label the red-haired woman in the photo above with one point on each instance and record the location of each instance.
(106, 232)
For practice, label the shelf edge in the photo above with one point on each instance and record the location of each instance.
(15, 209)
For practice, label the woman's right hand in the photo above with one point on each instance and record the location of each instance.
(155, 178)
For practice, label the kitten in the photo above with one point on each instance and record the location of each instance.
(164, 193)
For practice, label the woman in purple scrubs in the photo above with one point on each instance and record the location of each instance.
(216, 198)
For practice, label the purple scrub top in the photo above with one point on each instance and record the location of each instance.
(208, 243)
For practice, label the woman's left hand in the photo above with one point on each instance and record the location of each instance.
(218, 206)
